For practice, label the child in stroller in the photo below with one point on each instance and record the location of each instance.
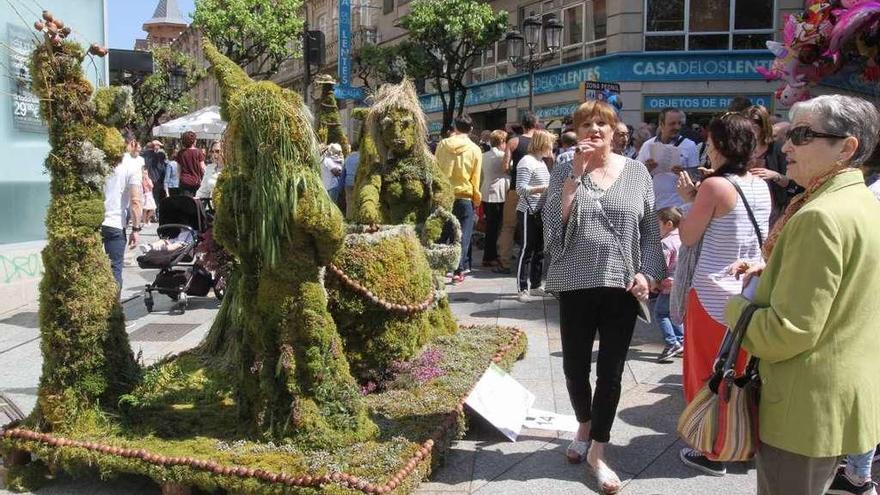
(182, 223)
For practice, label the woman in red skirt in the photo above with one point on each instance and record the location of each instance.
(716, 212)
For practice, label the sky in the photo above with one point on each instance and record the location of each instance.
(125, 19)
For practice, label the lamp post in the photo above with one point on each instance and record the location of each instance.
(177, 80)
(524, 50)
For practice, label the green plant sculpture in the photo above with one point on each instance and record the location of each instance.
(398, 180)
(327, 119)
(274, 215)
(385, 298)
(87, 359)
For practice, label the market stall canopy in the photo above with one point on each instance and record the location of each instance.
(206, 123)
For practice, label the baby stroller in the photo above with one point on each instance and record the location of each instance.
(182, 220)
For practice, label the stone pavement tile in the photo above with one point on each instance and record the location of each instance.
(19, 327)
(668, 476)
(645, 426)
(544, 398)
(545, 472)
(455, 472)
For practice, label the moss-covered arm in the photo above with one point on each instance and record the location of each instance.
(369, 207)
(323, 221)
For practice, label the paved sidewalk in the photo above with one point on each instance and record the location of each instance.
(644, 448)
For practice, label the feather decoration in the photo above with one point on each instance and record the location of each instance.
(852, 22)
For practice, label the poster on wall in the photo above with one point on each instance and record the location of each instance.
(602, 91)
(25, 104)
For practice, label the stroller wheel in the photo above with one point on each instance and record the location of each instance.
(148, 302)
(182, 301)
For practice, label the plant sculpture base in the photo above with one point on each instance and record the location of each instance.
(184, 431)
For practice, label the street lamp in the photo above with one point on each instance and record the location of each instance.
(530, 40)
(177, 80)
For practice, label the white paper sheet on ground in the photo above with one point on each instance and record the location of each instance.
(502, 401)
(537, 419)
(666, 156)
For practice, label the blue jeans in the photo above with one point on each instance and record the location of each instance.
(860, 464)
(334, 194)
(114, 246)
(672, 334)
(463, 209)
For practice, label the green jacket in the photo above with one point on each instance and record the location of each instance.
(818, 330)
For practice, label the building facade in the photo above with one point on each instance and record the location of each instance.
(24, 184)
(206, 92)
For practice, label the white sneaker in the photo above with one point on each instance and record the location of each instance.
(524, 296)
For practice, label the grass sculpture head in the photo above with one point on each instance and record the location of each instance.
(396, 122)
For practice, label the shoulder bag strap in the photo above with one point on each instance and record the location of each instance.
(616, 235)
(748, 210)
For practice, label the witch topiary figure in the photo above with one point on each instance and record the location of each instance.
(275, 217)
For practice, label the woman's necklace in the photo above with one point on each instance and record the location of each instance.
(592, 188)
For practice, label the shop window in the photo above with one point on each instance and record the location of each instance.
(387, 6)
(489, 56)
(708, 42)
(708, 24)
(709, 15)
(596, 49)
(503, 70)
(573, 21)
(665, 15)
(570, 55)
(597, 16)
(664, 43)
(751, 41)
(753, 14)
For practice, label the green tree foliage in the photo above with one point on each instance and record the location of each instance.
(375, 64)
(87, 359)
(255, 34)
(453, 32)
(154, 98)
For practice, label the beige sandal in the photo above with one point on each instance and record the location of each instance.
(577, 451)
(605, 476)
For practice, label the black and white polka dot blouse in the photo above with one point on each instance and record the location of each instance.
(584, 254)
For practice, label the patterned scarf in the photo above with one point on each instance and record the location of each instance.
(797, 203)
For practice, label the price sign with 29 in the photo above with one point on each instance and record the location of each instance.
(26, 109)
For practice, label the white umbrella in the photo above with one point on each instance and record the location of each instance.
(206, 123)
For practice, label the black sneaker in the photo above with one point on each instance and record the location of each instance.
(700, 462)
(844, 485)
(669, 352)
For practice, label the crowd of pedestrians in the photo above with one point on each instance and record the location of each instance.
(609, 217)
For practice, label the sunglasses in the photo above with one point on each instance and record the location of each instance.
(803, 134)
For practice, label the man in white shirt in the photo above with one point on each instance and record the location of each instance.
(331, 170)
(671, 121)
(122, 194)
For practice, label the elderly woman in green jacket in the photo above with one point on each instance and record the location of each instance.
(818, 324)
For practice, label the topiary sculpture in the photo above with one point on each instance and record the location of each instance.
(385, 299)
(275, 217)
(327, 119)
(87, 359)
(398, 180)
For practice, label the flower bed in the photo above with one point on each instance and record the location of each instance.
(181, 429)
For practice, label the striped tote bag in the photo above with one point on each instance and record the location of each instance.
(722, 420)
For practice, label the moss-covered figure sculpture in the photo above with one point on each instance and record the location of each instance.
(398, 180)
(274, 215)
(327, 118)
(87, 359)
(386, 301)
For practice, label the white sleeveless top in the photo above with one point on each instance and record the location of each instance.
(727, 239)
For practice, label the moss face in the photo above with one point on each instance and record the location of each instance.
(292, 377)
(398, 132)
(87, 359)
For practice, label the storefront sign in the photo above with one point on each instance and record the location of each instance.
(553, 112)
(25, 105)
(712, 103)
(344, 90)
(595, 90)
(620, 67)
